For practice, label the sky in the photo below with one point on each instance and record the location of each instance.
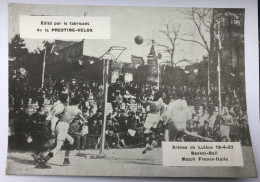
(126, 24)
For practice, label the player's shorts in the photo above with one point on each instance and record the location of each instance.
(178, 126)
(54, 121)
(62, 132)
(224, 131)
(175, 128)
(152, 120)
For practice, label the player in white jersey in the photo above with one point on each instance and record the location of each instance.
(69, 114)
(56, 110)
(177, 114)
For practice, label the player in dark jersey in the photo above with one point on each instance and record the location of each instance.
(152, 119)
(53, 117)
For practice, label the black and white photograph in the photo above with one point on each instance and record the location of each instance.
(106, 98)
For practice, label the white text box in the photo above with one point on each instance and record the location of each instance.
(64, 27)
(202, 154)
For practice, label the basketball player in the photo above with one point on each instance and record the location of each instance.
(69, 114)
(152, 119)
(54, 115)
(177, 114)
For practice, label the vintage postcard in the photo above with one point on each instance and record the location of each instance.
(127, 91)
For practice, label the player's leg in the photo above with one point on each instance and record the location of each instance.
(69, 148)
(54, 121)
(147, 125)
(51, 154)
(84, 142)
(61, 130)
(166, 134)
(98, 142)
(147, 140)
(151, 123)
(152, 138)
(39, 154)
(66, 161)
(121, 139)
(181, 128)
(172, 131)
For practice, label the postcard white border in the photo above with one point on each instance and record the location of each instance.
(252, 74)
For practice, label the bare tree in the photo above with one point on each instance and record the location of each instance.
(171, 32)
(203, 20)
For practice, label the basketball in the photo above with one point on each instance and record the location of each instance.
(139, 40)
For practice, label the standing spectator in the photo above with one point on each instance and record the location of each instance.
(197, 103)
(99, 99)
(95, 126)
(58, 87)
(123, 127)
(75, 128)
(111, 133)
(48, 87)
(225, 124)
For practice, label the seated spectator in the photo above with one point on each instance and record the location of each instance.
(206, 131)
(95, 132)
(75, 129)
(197, 128)
(111, 132)
(216, 132)
(123, 127)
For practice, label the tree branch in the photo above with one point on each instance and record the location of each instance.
(190, 40)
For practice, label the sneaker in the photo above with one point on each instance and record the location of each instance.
(144, 151)
(35, 157)
(42, 165)
(119, 147)
(66, 162)
(147, 148)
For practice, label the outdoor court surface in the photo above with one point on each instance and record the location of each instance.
(121, 162)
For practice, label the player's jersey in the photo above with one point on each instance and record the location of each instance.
(56, 109)
(178, 111)
(154, 106)
(70, 113)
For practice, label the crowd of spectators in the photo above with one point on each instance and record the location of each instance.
(124, 126)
